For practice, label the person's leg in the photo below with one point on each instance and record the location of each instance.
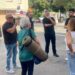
(71, 63)
(14, 47)
(24, 67)
(9, 55)
(53, 41)
(30, 67)
(47, 40)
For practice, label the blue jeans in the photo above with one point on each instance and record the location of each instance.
(11, 53)
(71, 62)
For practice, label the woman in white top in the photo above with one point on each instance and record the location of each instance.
(70, 45)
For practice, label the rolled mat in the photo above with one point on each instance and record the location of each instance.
(35, 48)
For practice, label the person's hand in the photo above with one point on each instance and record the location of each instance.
(72, 52)
(14, 27)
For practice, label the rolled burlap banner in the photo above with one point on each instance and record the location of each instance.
(35, 48)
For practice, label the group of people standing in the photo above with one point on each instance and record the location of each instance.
(27, 28)
(11, 37)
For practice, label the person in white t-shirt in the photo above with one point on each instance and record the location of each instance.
(70, 46)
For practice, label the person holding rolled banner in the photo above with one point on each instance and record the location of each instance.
(35, 48)
(25, 55)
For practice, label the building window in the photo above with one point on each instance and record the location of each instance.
(7, 11)
(9, 0)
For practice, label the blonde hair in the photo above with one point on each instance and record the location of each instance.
(71, 24)
(24, 21)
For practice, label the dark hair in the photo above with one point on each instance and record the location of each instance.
(27, 13)
(72, 9)
(71, 24)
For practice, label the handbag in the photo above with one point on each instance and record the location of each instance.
(37, 60)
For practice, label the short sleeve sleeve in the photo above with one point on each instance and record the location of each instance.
(5, 27)
(44, 21)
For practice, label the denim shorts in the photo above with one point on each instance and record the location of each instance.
(71, 62)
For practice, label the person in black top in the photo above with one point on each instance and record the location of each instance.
(10, 40)
(49, 23)
(71, 14)
(30, 15)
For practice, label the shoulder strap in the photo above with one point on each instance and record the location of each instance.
(23, 45)
(30, 33)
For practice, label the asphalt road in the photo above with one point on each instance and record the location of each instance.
(53, 66)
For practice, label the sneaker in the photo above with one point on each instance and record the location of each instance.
(56, 55)
(66, 58)
(16, 67)
(10, 71)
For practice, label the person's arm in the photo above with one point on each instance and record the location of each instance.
(69, 41)
(45, 23)
(12, 29)
(52, 20)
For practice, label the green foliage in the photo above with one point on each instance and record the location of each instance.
(57, 8)
(40, 5)
(65, 3)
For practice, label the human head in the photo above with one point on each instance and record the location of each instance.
(9, 18)
(46, 12)
(71, 24)
(71, 12)
(25, 22)
(29, 14)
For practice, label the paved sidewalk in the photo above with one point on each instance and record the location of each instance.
(53, 66)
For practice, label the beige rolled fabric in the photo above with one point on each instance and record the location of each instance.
(35, 48)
